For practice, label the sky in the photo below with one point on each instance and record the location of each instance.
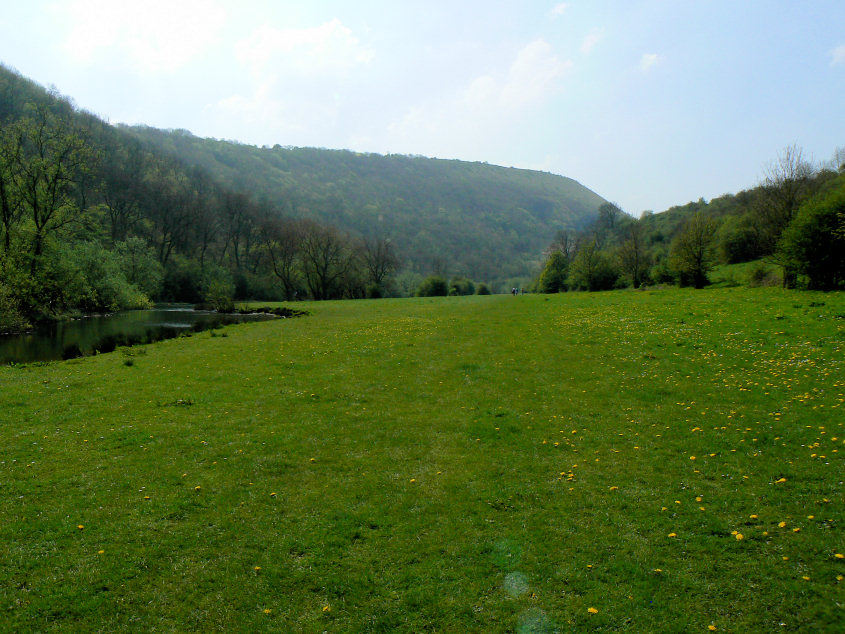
(649, 103)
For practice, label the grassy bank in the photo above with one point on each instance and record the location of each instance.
(668, 460)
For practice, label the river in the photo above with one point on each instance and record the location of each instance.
(104, 333)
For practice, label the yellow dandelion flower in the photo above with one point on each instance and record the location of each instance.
(754, 517)
(712, 628)
(413, 480)
(80, 526)
(592, 611)
(100, 552)
(796, 530)
(781, 524)
(671, 535)
(785, 558)
(257, 568)
(267, 610)
(272, 495)
(698, 498)
(739, 536)
(327, 608)
(805, 578)
(839, 556)
(197, 488)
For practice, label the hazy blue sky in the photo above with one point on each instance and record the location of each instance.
(649, 103)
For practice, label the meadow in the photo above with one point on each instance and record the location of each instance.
(667, 460)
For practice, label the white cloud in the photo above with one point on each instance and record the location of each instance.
(99, 30)
(325, 48)
(837, 55)
(298, 78)
(559, 9)
(648, 60)
(591, 40)
(487, 105)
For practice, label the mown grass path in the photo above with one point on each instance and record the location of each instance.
(640, 461)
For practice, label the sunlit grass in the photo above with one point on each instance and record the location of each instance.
(626, 461)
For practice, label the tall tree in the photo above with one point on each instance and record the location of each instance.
(282, 240)
(380, 260)
(45, 157)
(692, 253)
(325, 259)
(787, 182)
(633, 254)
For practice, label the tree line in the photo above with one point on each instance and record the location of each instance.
(91, 220)
(794, 222)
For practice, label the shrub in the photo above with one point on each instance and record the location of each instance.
(482, 289)
(814, 242)
(433, 286)
(553, 277)
(461, 286)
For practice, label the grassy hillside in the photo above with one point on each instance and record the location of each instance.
(635, 461)
(479, 220)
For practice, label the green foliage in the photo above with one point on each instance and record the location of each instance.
(739, 240)
(482, 289)
(11, 318)
(217, 288)
(693, 253)
(140, 265)
(486, 221)
(433, 286)
(97, 282)
(814, 243)
(592, 269)
(461, 286)
(553, 277)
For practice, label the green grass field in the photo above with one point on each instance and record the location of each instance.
(628, 461)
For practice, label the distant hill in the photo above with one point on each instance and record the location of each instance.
(473, 219)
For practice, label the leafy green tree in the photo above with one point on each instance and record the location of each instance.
(140, 265)
(482, 289)
(553, 277)
(43, 158)
(814, 243)
(692, 254)
(592, 269)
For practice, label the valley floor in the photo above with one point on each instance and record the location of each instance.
(629, 461)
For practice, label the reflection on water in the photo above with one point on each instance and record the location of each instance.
(89, 335)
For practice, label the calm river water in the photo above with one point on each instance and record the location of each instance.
(69, 339)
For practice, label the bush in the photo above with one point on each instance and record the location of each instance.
(814, 242)
(11, 318)
(218, 289)
(140, 265)
(553, 277)
(461, 286)
(763, 275)
(98, 282)
(433, 286)
(482, 289)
